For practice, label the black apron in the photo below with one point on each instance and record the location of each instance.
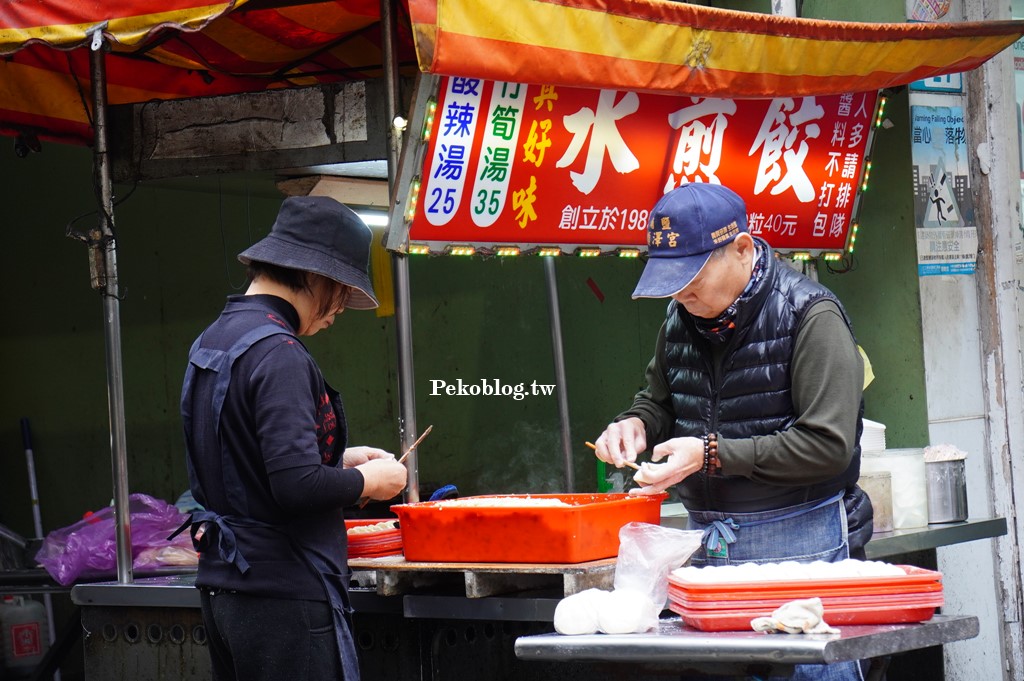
(220, 361)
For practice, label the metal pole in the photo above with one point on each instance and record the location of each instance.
(103, 258)
(406, 389)
(560, 388)
(400, 264)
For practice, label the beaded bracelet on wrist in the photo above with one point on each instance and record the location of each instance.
(711, 463)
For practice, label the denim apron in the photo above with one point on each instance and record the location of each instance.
(815, 530)
(220, 362)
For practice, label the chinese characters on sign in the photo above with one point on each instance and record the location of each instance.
(947, 237)
(515, 163)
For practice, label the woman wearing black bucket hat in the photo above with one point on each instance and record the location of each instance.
(266, 441)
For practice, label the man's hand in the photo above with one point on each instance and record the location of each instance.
(683, 457)
(621, 442)
(355, 456)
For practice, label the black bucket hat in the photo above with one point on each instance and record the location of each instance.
(318, 234)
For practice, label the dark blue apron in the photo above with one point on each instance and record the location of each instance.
(221, 361)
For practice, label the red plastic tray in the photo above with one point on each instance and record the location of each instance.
(373, 544)
(740, 621)
(587, 529)
(933, 600)
(726, 595)
(393, 550)
(916, 580)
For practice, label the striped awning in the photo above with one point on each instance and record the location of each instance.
(664, 46)
(173, 49)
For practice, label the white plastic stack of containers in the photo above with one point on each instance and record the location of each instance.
(907, 484)
(876, 483)
(911, 487)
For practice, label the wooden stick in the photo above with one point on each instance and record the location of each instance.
(416, 444)
(628, 463)
(366, 500)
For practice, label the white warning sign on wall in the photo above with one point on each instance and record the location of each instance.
(947, 236)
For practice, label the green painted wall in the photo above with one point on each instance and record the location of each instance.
(844, 10)
(472, 319)
(172, 261)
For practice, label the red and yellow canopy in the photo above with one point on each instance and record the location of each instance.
(172, 49)
(661, 46)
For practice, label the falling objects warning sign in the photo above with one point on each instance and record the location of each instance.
(942, 210)
(947, 237)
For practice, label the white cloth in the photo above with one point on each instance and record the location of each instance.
(804, 616)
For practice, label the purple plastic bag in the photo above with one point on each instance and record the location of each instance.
(88, 548)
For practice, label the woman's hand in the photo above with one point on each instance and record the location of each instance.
(355, 456)
(621, 441)
(683, 457)
(383, 478)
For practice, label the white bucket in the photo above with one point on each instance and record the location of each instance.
(909, 484)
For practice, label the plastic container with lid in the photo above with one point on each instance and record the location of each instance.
(909, 483)
(24, 625)
(878, 486)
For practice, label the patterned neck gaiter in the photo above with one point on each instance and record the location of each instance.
(720, 329)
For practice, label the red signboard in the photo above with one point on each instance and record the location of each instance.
(510, 163)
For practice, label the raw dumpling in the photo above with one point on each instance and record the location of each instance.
(626, 611)
(578, 614)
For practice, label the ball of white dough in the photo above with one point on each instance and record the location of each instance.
(578, 614)
(626, 611)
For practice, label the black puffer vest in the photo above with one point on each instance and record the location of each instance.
(744, 389)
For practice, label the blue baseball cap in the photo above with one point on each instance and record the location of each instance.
(687, 224)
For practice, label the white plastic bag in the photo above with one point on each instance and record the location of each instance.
(647, 553)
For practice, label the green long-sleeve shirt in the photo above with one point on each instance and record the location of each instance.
(827, 382)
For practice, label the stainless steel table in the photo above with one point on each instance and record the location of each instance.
(152, 629)
(676, 648)
(886, 544)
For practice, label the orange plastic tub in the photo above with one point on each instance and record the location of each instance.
(587, 529)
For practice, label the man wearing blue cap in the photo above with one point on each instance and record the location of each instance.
(753, 403)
